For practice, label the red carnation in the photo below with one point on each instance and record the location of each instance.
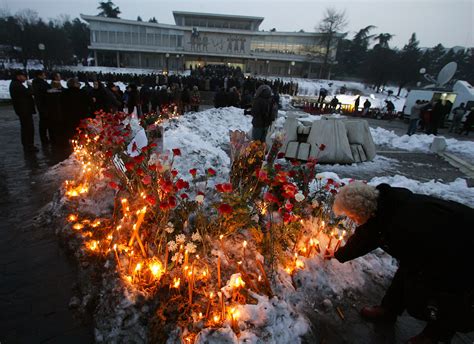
(172, 202)
(322, 147)
(164, 205)
(193, 172)
(184, 196)
(181, 184)
(225, 209)
(224, 188)
(176, 151)
(269, 197)
(174, 173)
(211, 172)
(151, 199)
(139, 159)
(288, 206)
(130, 165)
(280, 155)
(114, 185)
(146, 180)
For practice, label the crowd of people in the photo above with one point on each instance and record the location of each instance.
(60, 109)
(429, 116)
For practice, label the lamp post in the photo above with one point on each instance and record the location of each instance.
(42, 47)
(167, 63)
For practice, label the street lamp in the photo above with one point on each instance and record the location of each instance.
(42, 47)
(167, 62)
(292, 64)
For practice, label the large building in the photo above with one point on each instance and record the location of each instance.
(197, 39)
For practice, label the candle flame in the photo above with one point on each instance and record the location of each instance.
(72, 217)
(156, 269)
(78, 226)
(176, 282)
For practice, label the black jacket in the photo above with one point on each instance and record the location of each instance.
(262, 111)
(433, 239)
(40, 89)
(22, 98)
(75, 105)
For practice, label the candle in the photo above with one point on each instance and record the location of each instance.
(244, 245)
(219, 272)
(117, 257)
(166, 258)
(186, 257)
(211, 297)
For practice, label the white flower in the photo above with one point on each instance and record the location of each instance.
(315, 203)
(153, 159)
(196, 236)
(199, 198)
(169, 228)
(177, 257)
(172, 246)
(299, 197)
(180, 238)
(190, 247)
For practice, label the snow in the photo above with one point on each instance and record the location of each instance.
(203, 138)
(419, 142)
(310, 87)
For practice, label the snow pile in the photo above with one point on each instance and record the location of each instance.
(418, 142)
(457, 190)
(203, 138)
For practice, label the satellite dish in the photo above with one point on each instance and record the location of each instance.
(422, 70)
(446, 73)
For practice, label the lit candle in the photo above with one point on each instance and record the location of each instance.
(219, 272)
(117, 257)
(211, 297)
(244, 245)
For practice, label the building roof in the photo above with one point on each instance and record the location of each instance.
(216, 16)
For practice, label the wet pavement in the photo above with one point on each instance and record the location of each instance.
(36, 277)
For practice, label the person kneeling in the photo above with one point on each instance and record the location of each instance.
(433, 240)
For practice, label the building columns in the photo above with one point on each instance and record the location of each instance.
(118, 59)
(96, 62)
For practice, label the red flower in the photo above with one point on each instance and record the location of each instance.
(140, 171)
(193, 172)
(295, 162)
(224, 188)
(166, 185)
(181, 184)
(288, 205)
(289, 191)
(151, 199)
(334, 191)
(201, 193)
(269, 197)
(211, 172)
(174, 173)
(129, 165)
(134, 147)
(281, 177)
(146, 180)
(288, 218)
(225, 209)
(172, 202)
(330, 181)
(114, 185)
(280, 155)
(184, 196)
(322, 147)
(164, 205)
(262, 175)
(176, 151)
(139, 159)
(278, 167)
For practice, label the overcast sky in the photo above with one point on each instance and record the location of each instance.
(449, 22)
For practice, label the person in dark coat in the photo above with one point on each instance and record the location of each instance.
(24, 106)
(133, 99)
(433, 240)
(437, 114)
(220, 98)
(55, 116)
(468, 123)
(40, 89)
(98, 97)
(76, 105)
(356, 104)
(262, 112)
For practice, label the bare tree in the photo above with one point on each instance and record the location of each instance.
(332, 24)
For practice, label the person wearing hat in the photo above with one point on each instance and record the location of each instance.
(24, 106)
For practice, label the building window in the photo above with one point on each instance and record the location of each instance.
(120, 37)
(180, 41)
(134, 38)
(126, 38)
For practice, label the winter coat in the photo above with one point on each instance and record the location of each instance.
(22, 98)
(40, 88)
(415, 111)
(262, 107)
(433, 239)
(75, 105)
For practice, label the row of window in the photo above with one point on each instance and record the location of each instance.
(216, 24)
(285, 48)
(134, 38)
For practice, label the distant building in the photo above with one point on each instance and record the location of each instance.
(198, 39)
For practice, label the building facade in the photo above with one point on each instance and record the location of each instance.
(197, 39)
